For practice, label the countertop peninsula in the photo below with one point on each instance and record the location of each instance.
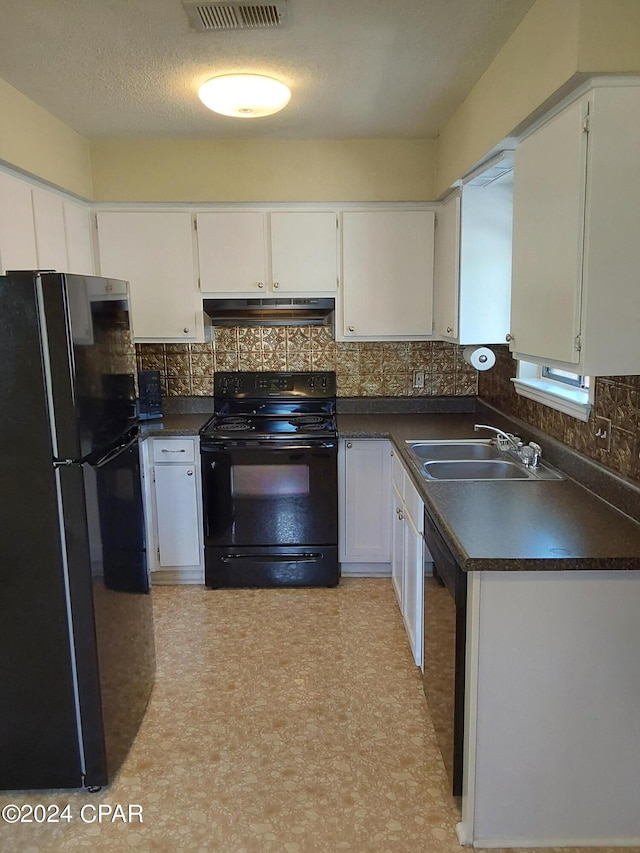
(545, 525)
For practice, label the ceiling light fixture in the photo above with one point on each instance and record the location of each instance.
(244, 95)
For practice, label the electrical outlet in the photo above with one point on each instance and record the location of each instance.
(418, 378)
(603, 434)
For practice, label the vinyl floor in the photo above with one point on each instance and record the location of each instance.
(281, 720)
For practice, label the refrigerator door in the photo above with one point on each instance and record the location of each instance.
(39, 733)
(91, 360)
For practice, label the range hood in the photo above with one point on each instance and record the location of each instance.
(270, 312)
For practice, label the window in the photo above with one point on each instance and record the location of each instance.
(573, 379)
(567, 392)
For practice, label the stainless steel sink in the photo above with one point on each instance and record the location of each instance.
(473, 460)
(475, 469)
(452, 450)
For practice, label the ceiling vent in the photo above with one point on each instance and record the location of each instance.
(235, 15)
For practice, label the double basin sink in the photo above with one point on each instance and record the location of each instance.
(474, 460)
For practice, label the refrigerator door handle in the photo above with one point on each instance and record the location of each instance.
(116, 451)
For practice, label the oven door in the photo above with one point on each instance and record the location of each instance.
(270, 513)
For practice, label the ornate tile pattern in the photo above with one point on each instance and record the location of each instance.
(616, 398)
(371, 369)
(281, 721)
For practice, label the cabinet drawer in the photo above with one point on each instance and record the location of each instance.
(174, 450)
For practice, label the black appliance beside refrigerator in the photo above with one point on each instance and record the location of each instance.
(77, 655)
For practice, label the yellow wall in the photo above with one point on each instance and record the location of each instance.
(555, 46)
(33, 140)
(210, 170)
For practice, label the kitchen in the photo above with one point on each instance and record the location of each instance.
(129, 173)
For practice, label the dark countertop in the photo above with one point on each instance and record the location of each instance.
(174, 425)
(550, 525)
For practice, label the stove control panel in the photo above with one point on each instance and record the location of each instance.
(319, 385)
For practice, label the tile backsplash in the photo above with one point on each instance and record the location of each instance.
(365, 369)
(616, 398)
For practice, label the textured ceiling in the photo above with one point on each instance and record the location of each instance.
(356, 68)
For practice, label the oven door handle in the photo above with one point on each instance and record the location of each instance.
(272, 558)
(254, 445)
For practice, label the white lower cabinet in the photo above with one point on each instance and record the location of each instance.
(174, 510)
(408, 555)
(364, 477)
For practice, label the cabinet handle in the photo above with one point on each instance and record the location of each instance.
(261, 284)
(509, 338)
(276, 285)
(350, 329)
(186, 330)
(449, 330)
(189, 473)
(349, 444)
(164, 450)
(400, 515)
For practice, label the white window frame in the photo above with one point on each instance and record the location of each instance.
(571, 400)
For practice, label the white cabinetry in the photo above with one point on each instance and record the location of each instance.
(364, 475)
(408, 555)
(472, 265)
(48, 218)
(154, 252)
(387, 274)
(576, 252)
(17, 232)
(174, 510)
(41, 229)
(257, 253)
(77, 229)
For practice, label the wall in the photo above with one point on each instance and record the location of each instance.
(34, 141)
(253, 170)
(362, 369)
(616, 398)
(556, 45)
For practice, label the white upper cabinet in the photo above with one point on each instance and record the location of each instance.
(77, 228)
(304, 251)
(48, 217)
(472, 278)
(17, 232)
(576, 252)
(232, 252)
(154, 253)
(257, 253)
(387, 274)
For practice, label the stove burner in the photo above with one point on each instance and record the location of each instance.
(231, 425)
(312, 427)
(307, 420)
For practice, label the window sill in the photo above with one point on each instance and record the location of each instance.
(571, 401)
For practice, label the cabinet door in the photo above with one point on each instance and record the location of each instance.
(413, 572)
(413, 586)
(397, 547)
(446, 274)
(17, 233)
(232, 252)
(154, 253)
(387, 277)
(48, 218)
(365, 534)
(485, 262)
(77, 228)
(548, 220)
(304, 251)
(176, 507)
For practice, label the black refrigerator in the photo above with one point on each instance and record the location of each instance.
(77, 657)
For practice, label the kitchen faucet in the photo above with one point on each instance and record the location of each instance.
(528, 454)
